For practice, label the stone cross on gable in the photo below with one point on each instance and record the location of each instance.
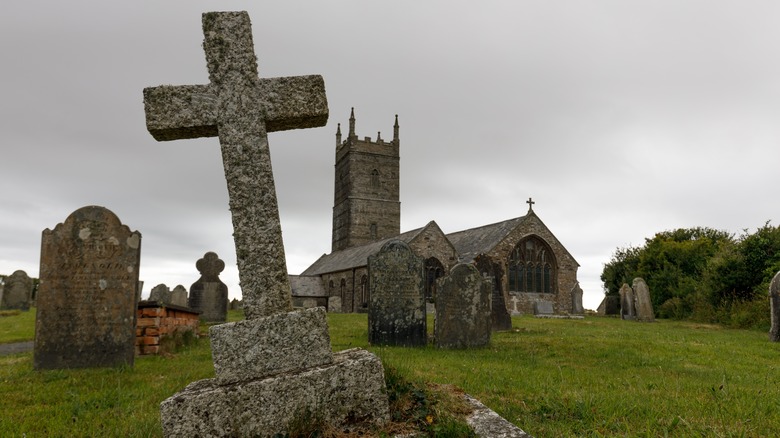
(241, 108)
(530, 203)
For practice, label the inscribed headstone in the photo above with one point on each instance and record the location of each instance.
(644, 306)
(87, 294)
(396, 309)
(500, 317)
(179, 296)
(627, 302)
(334, 304)
(774, 305)
(209, 295)
(17, 292)
(160, 293)
(463, 301)
(576, 300)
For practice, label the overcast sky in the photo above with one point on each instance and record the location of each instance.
(620, 119)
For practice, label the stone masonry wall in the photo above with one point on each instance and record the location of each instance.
(523, 302)
(156, 322)
(431, 242)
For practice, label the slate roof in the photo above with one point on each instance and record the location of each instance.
(474, 241)
(354, 257)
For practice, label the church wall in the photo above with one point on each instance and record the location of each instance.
(523, 302)
(351, 298)
(431, 242)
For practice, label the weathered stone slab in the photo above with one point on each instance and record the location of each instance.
(644, 306)
(87, 294)
(576, 300)
(500, 318)
(179, 296)
(160, 293)
(627, 303)
(543, 307)
(774, 305)
(352, 388)
(209, 295)
(17, 292)
(256, 348)
(486, 423)
(334, 304)
(463, 308)
(396, 310)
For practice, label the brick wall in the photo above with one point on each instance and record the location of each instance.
(156, 321)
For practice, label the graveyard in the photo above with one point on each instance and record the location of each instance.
(598, 376)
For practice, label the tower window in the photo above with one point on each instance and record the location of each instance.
(375, 179)
(372, 231)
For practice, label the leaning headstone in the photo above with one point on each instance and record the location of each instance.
(576, 300)
(463, 301)
(276, 366)
(209, 295)
(627, 303)
(644, 306)
(17, 292)
(396, 308)
(500, 318)
(774, 305)
(87, 294)
(160, 293)
(179, 296)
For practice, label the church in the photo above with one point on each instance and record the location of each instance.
(530, 267)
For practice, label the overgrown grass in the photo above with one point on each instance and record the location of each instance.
(593, 377)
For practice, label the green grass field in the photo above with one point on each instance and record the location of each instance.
(593, 377)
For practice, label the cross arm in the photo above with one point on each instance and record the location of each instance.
(189, 111)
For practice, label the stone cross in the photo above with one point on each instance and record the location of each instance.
(240, 108)
(530, 203)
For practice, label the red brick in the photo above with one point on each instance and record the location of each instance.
(152, 331)
(148, 322)
(150, 340)
(151, 349)
(153, 311)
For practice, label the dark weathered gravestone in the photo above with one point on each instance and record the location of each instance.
(179, 296)
(500, 318)
(209, 295)
(17, 291)
(627, 302)
(396, 308)
(277, 364)
(576, 300)
(463, 301)
(160, 293)
(87, 294)
(774, 305)
(644, 306)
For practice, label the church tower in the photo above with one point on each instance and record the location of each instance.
(366, 204)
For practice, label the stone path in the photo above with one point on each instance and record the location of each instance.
(16, 347)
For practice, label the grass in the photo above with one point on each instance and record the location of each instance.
(593, 377)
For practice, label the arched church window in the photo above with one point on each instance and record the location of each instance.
(343, 293)
(433, 270)
(330, 288)
(364, 291)
(375, 179)
(372, 231)
(532, 267)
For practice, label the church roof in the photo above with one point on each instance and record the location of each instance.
(354, 257)
(472, 242)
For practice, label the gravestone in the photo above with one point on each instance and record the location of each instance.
(463, 302)
(334, 304)
(17, 292)
(576, 300)
(209, 295)
(543, 308)
(160, 293)
(179, 296)
(774, 305)
(396, 308)
(500, 318)
(627, 303)
(276, 365)
(87, 294)
(644, 307)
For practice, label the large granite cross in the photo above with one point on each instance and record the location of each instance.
(241, 108)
